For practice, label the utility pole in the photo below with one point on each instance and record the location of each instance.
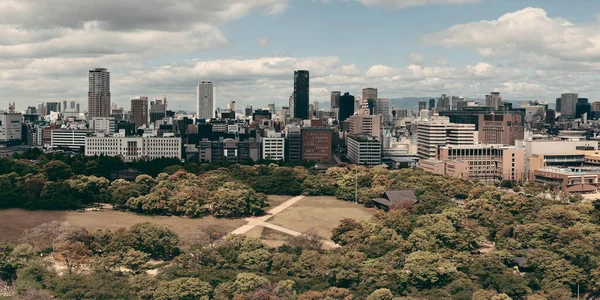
(356, 188)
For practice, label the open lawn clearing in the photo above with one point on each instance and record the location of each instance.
(321, 213)
(276, 200)
(14, 221)
(269, 237)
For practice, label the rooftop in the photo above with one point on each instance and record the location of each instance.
(573, 171)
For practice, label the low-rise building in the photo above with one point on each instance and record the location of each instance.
(73, 139)
(134, 148)
(364, 150)
(573, 180)
(486, 163)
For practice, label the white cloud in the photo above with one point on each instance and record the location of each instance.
(529, 38)
(416, 58)
(403, 4)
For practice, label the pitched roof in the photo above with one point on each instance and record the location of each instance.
(401, 198)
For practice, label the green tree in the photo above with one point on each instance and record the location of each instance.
(183, 289)
(57, 170)
(381, 294)
(158, 241)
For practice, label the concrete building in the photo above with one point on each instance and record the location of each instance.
(158, 109)
(422, 105)
(502, 129)
(206, 97)
(364, 123)
(383, 108)
(364, 150)
(317, 144)
(10, 128)
(568, 104)
(440, 132)
(443, 103)
(99, 105)
(301, 95)
(369, 93)
(52, 107)
(293, 144)
(535, 148)
(574, 180)
(273, 146)
(139, 111)
(134, 148)
(73, 139)
(106, 125)
(484, 162)
(335, 99)
(493, 100)
(230, 150)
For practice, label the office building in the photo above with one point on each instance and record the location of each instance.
(583, 107)
(73, 139)
(99, 104)
(335, 99)
(422, 105)
(273, 146)
(364, 150)
(293, 146)
(158, 109)
(493, 100)
(106, 125)
(317, 144)
(443, 103)
(399, 114)
(558, 105)
(383, 108)
(134, 148)
(431, 104)
(369, 93)
(139, 111)
(346, 107)
(10, 128)
(206, 96)
(231, 106)
(365, 124)
(248, 111)
(568, 105)
(503, 129)
(485, 163)
(459, 103)
(230, 150)
(573, 180)
(301, 95)
(440, 132)
(52, 107)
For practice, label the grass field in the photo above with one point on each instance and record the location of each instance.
(320, 213)
(14, 221)
(269, 237)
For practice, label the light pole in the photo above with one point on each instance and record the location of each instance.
(356, 188)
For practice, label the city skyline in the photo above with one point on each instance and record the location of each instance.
(245, 49)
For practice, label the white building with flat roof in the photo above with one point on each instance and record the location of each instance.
(10, 126)
(364, 150)
(134, 148)
(273, 146)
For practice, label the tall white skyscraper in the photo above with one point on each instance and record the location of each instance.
(206, 97)
(99, 93)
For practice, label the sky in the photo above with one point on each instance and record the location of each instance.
(526, 50)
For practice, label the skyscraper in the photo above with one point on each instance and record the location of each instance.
(301, 94)
(158, 109)
(422, 105)
(99, 93)
(335, 99)
(431, 103)
(205, 100)
(494, 100)
(383, 108)
(346, 106)
(369, 93)
(568, 104)
(139, 111)
(52, 107)
(64, 107)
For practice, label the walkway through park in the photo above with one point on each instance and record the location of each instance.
(262, 221)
